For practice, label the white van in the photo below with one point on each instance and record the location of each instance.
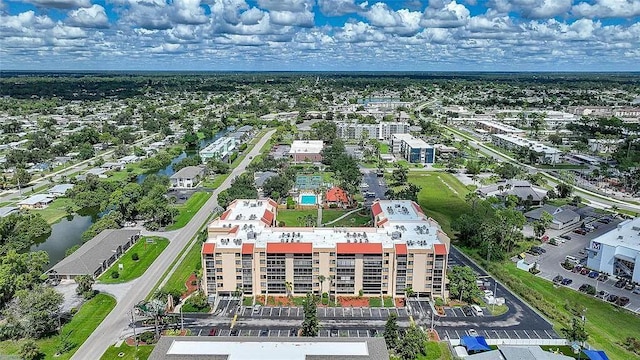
(571, 259)
(477, 310)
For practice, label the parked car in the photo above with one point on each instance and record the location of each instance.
(636, 290)
(466, 310)
(580, 231)
(623, 301)
(602, 294)
(566, 281)
(472, 332)
(553, 242)
(612, 298)
(213, 332)
(333, 332)
(576, 269)
(256, 309)
(630, 286)
(566, 237)
(293, 332)
(557, 279)
(584, 271)
(603, 277)
(539, 249)
(373, 332)
(234, 332)
(621, 283)
(593, 274)
(264, 332)
(587, 289)
(604, 220)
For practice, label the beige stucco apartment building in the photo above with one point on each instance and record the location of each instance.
(246, 252)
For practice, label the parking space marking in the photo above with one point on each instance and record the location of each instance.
(516, 332)
(526, 333)
(506, 334)
(487, 334)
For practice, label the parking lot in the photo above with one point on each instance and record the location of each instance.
(550, 263)
(293, 332)
(499, 334)
(373, 184)
(292, 312)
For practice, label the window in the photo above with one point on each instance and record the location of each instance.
(386, 254)
(332, 254)
(219, 270)
(410, 262)
(386, 262)
(239, 277)
(218, 262)
(316, 254)
(238, 262)
(263, 262)
(220, 285)
(219, 277)
(262, 253)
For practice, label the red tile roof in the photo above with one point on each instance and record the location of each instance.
(267, 218)
(273, 203)
(208, 248)
(440, 249)
(225, 214)
(336, 194)
(376, 209)
(358, 248)
(401, 249)
(289, 248)
(234, 230)
(247, 249)
(380, 223)
(417, 207)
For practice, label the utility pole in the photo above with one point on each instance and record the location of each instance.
(495, 289)
(133, 325)
(181, 320)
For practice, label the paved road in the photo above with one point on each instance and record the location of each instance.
(108, 332)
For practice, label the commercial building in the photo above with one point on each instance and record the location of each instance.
(245, 251)
(412, 149)
(604, 145)
(218, 149)
(522, 189)
(544, 154)
(306, 150)
(617, 252)
(494, 127)
(187, 177)
(269, 348)
(563, 216)
(380, 131)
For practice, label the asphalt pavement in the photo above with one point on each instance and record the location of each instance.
(109, 331)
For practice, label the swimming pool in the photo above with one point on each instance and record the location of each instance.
(308, 199)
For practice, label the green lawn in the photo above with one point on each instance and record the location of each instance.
(147, 252)
(436, 351)
(384, 148)
(185, 269)
(375, 301)
(606, 324)
(247, 301)
(331, 214)
(189, 209)
(81, 326)
(438, 200)
(388, 301)
(56, 210)
(290, 217)
(129, 352)
(355, 219)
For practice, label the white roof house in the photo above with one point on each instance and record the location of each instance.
(36, 201)
(60, 189)
(306, 147)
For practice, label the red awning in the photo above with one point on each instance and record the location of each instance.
(247, 249)
(358, 248)
(225, 214)
(289, 248)
(401, 249)
(417, 207)
(208, 248)
(440, 249)
(267, 217)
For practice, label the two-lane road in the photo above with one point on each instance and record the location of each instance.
(107, 333)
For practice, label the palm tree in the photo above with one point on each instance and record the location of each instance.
(289, 286)
(321, 279)
(331, 283)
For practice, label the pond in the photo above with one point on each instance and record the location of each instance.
(65, 234)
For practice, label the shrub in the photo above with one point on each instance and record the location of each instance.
(439, 302)
(135, 257)
(360, 293)
(115, 274)
(147, 337)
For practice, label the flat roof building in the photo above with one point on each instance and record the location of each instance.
(544, 154)
(269, 348)
(306, 150)
(412, 149)
(380, 131)
(220, 148)
(617, 252)
(494, 127)
(404, 249)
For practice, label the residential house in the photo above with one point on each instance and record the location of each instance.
(563, 216)
(60, 190)
(337, 197)
(187, 177)
(39, 201)
(7, 210)
(259, 178)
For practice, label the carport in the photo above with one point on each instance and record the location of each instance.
(596, 354)
(474, 344)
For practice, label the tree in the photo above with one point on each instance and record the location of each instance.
(539, 228)
(30, 351)
(400, 175)
(85, 286)
(86, 151)
(241, 188)
(391, 332)
(21, 178)
(276, 185)
(462, 283)
(508, 171)
(20, 272)
(473, 167)
(35, 312)
(310, 324)
(564, 190)
(321, 280)
(412, 344)
(576, 331)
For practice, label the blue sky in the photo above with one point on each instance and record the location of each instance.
(321, 35)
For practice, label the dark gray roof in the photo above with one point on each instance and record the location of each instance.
(188, 172)
(536, 214)
(377, 349)
(560, 215)
(520, 188)
(89, 257)
(261, 177)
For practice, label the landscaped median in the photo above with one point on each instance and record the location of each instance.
(74, 333)
(136, 261)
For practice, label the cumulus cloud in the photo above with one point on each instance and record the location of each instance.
(289, 18)
(93, 17)
(607, 9)
(402, 22)
(60, 4)
(338, 7)
(532, 9)
(448, 15)
(188, 12)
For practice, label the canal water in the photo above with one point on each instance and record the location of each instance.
(68, 231)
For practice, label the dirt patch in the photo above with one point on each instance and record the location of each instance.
(192, 286)
(433, 335)
(353, 301)
(399, 302)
